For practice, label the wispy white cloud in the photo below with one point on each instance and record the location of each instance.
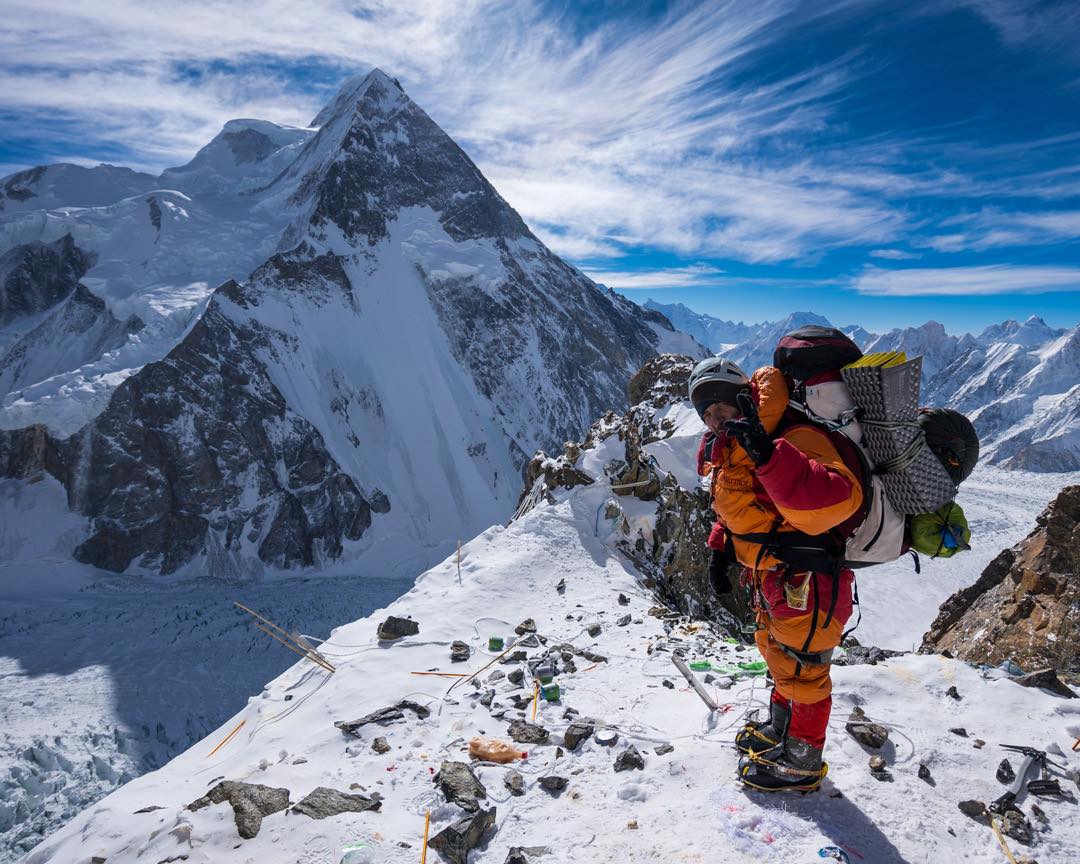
(635, 130)
(994, 228)
(966, 281)
(672, 277)
(893, 254)
(632, 133)
(1050, 25)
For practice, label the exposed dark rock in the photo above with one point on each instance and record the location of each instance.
(526, 626)
(567, 650)
(1023, 606)
(527, 733)
(576, 733)
(155, 212)
(924, 772)
(663, 749)
(380, 746)
(395, 628)
(622, 621)
(459, 651)
(460, 786)
(25, 452)
(1047, 679)
(515, 783)
(623, 600)
(175, 456)
(865, 732)
(952, 693)
(524, 854)
(383, 716)
(629, 759)
(975, 810)
(864, 655)
(561, 587)
(250, 802)
(1005, 773)
(553, 783)
(487, 698)
(324, 802)
(593, 630)
(149, 809)
(516, 657)
(543, 475)
(959, 730)
(1013, 824)
(36, 276)
(516, 676)
(456, 841)
(669, 684)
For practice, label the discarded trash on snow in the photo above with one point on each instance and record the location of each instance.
(493, 750)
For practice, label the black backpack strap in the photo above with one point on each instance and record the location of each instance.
(850, 630)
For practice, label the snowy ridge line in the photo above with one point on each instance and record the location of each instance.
(512, 573)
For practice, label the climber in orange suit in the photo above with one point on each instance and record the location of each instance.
(775, 479)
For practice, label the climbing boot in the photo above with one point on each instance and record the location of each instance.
(797, 767)
(764, 733)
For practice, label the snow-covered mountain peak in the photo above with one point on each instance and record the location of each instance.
(1030, 334)
(355, 89)
(67, 185)
(245, 156)
(376, 153)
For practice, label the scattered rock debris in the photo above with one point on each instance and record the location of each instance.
(250, 802)
(553, 783)
(527, 733)
(456, 841)
(630, 759)
(862, 730)
(383, 716)
(395, 628)
(324, 802)
(460, 786)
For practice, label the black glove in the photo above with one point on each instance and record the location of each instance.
(718, 569)
(749, 432)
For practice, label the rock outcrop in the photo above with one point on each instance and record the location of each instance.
(1025, 607)
(36, 276)
(675, 558)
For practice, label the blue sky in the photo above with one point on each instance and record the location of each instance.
(879, 163)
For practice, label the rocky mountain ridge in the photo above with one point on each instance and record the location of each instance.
(1025, 607)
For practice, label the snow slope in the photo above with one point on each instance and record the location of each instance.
(684, 805)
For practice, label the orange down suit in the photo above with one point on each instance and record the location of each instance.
(804, 486)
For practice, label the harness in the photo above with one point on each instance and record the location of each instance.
(817, 553)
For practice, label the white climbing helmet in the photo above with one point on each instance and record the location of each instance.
(716, 379)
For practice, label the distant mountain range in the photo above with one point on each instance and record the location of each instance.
(1019, 381)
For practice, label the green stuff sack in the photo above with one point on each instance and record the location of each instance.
(941, 534)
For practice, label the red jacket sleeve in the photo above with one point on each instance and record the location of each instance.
(808, 482)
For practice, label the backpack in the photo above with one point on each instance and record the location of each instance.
(910, 460)
(811, 359)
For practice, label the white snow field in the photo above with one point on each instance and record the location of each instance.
(683, 806)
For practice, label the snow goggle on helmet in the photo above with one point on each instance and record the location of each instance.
(716, 379)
